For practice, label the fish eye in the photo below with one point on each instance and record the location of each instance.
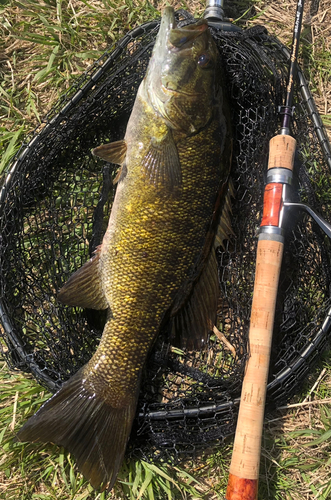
(204, 60)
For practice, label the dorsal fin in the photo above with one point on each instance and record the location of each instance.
(197, 316)
(224, 228)
(191, 324)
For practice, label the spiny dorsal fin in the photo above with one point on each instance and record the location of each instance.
(197, 316)
(114, 152)
(84, 288)
(224, 228)
(161, 163)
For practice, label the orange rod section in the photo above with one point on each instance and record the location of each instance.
(241, 489)
(272, 203)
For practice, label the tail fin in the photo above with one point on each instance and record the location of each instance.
(87, 426)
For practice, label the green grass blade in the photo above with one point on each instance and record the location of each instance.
(11, 149)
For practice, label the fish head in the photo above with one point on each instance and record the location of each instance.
(183, 77)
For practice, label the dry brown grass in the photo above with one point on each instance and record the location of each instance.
(315, 42)
(20, 61)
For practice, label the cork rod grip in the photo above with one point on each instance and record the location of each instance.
(282, 151)
(244, 468)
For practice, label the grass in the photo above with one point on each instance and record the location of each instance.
(29, 471)
(295, 461)
(44, 46)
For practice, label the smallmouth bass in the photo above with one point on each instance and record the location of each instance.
(157, 261)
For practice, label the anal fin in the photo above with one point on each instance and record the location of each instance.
(84, 287)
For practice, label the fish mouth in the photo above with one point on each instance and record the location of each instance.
(159, 84)
(168, 20)
(172, 38)
(173, 92)
(168, 23)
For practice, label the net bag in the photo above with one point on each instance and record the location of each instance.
(55, 204)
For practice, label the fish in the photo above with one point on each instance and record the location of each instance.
(156, 265)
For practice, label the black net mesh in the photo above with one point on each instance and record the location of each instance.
(55, 203)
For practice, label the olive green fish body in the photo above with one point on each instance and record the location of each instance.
(156, 262)
(154, 248)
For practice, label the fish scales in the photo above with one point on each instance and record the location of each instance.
(157, 247)
(157, 262)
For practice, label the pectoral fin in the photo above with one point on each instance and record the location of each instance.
(198, 315)
(161, 163)
(84, 288)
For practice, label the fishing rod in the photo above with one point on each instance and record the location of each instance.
(245, 463)
(244, 467)
(214, 14)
